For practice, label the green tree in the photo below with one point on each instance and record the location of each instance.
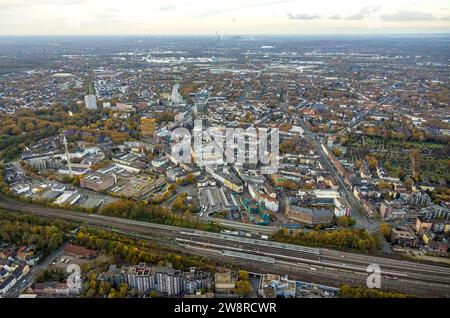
(153, 294)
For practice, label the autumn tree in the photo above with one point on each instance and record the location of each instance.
(345, 221)
(112, 293)
(409, 183)
(372, 162)
(179, 204)
(358, 164)
(243, 275)
(189, 179)
(347, 291)
(243, 286)
(337, 152)
(385, 230)
(383, 185)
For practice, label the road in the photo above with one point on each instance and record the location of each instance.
(361, 220)
(28, 280)
(320, 265)
(357, 121)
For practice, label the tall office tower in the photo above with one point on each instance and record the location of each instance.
(69, 164)
(176, 98)
(91, 102)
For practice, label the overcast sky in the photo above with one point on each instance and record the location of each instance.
(56, 17)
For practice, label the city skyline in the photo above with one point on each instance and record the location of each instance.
(254, 167)
(136, 17)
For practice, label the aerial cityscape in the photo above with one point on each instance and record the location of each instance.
(225, 165)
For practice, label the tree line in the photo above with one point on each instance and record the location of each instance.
(362, 292)
(129, 209)
(23, 229)
(347, 239)
(134, 251)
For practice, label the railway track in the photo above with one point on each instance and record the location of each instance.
(422, 279)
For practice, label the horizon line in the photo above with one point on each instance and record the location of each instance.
(235, 34)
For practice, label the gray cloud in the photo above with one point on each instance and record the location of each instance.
(303, 16)
(246, 6)
(174, 6)
(169, 7)
(108, 19)
(335, 17)
(355, 16)
(363, 13)
(21, 3)
(408, 16)
(10, 5)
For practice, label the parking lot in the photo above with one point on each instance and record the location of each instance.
(65, 194)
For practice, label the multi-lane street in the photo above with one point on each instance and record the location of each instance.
(361, 219)
(28, 280)
(320, 265)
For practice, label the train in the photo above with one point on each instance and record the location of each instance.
(245, 234)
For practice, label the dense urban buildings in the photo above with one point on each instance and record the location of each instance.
(228, 166)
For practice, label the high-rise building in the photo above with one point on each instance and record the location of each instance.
(165, 280)
(141, 278)
(168, 281)
(148, 126)
(176, 98)
(91, 102)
